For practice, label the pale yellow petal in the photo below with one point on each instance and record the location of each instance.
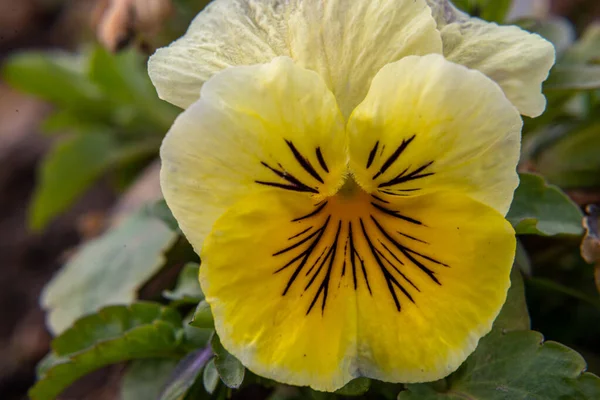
(227, 33)
(431, 125)
(517, 60)
(254, 128)
(346, 42)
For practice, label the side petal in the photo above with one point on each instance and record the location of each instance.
(431, 125)
(517, 60)
(254, 128)
(226, 33)
(346, 42)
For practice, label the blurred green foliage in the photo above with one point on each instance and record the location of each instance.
(563, 145)
(542, 209)
(490, 10)
(108, 270)
(109, 111)
(115, 334)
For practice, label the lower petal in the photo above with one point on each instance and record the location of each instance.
(316, 294)
(455, 255)
(276, 306)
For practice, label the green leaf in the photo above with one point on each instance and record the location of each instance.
(573, 161)
(198, 392)
(94, 89)
(542, 209)
(522, 259)
(60, 78)
(66, 172)
(490, 10)
(210, 377)
(124, 80)
(356, 387)
(73, 165)
(107, 270)
(589, 386)
(66, 120)
(511, 363)
(587, 49)
(574, 77)
(161, 211)
(203, 317)
(230, 368)
(119, 74)
(516, 365)
(185, 375)
(50, 360)
(187, 289)
(496, 10)
(514, 314)
(53, 76)
(145, 379)
(111, 322)
(196, 337)
(115, 334)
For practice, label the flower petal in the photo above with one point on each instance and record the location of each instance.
(456, 256)
(517, 60)
(268, 278)
(429, 125)
(227, 33)
(254, 128)
(316, 295)
(350, 41)
(346, 42)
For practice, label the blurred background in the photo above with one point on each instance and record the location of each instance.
(80, 127)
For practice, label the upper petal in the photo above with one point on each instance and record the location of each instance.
(227, 33)
(254, 128)
(431, 125)
(517, 60)
(346, 42)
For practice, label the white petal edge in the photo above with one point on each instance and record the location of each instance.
(346, 42)
(226, 33)
(517, 60)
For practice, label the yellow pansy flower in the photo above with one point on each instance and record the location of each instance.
(345, 180)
